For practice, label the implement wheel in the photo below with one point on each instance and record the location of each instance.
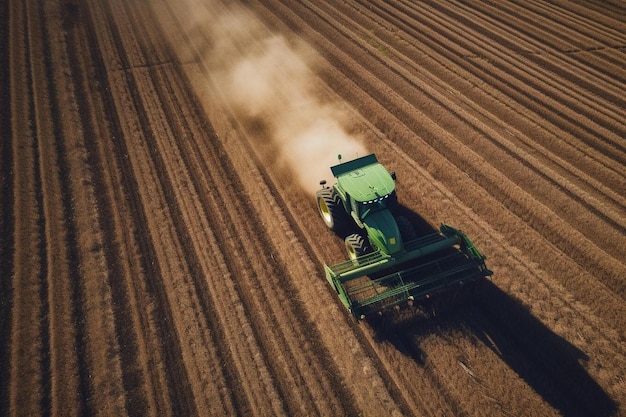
(356, 245)
(331, 209)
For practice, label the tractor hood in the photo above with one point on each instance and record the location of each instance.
(364, 179)
(383, 232)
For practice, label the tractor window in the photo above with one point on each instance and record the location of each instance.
(370, 207)
(380, 203)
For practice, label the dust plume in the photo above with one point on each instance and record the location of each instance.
(270, 79)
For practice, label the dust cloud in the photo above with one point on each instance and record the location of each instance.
(270, 79)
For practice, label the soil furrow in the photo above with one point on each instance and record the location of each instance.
(61, 377)
(515, 35)
(192, 260)
(71, 379)
(26, 330)
(192, 255)
(522, 120)
(247, 277)
(85, 387)
(272, 295)
(558, 96)
(103, 155)
(516, 78)
(603, 27)
(556, 44)
(7, 230)
(162, 166)
(192, 211)
(76, 180)
(166, 330)
(43, 318)
(254, 286)
(129, 327)
(598, 10)
(419, 28)
(559, 71)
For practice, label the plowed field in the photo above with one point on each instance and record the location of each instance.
(160, 247)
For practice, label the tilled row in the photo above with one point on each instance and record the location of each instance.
(6, 207)
(153, 379)
(190, 326)
(27, 275)
(48, 317)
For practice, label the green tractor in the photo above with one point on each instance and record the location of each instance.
(389, 264)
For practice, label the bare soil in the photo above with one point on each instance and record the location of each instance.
(156, 258)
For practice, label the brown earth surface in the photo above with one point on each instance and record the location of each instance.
(158, 256)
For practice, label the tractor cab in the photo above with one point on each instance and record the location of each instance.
(365, 186)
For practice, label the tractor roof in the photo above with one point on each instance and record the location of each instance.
(364, 179)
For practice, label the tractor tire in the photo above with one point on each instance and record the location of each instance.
(357, 245)
(407, 231)
(331, 209)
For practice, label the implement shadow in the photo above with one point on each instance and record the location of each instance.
(549, 364)
(545, 360)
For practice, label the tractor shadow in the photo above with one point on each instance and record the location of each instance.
(549, 364)
(485, 314)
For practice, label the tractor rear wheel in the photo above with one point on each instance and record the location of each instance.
(357, 245)
(331, 209)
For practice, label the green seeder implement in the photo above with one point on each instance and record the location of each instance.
(369, 283)
(388, 263)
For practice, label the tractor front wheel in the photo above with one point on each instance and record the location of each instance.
(331, 209)
(357, 245)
